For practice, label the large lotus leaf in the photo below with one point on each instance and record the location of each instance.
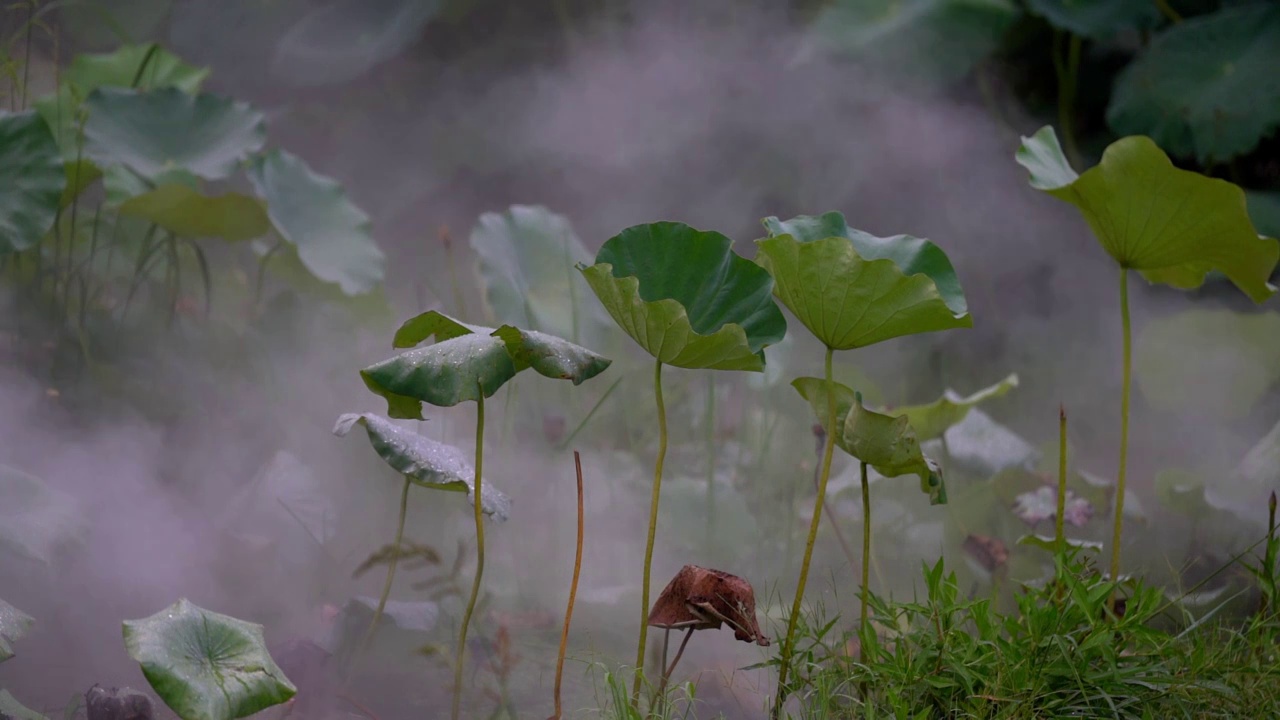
(848, 301)
(10, 707)
(1264, 210)
(932, 420)
(686, 297)
(1098, 19)
(424, 461)
(121, 68)
(889, 444)
(157, 130)
(371, 308)
(1208, 363)
(36, 520)
(526, 259)
(1173, 225)
(13, 625)
(189, 213)
(33, 178)
(1206, 87)
(551, 356)
(312, 211)
(206, 666)
(890, 33)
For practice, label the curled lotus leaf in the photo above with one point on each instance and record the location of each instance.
(932, 420)
(1172, 225)
(686, 298)
(424, 461)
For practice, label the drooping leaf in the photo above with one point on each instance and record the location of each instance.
(33, 178)
(814, 390)
(120, 68)
(1097, 19)
(1050, 544)
(932, 420)
(13, 625)
(158, 130)
(889, 444)
(424, 461)
(371, 308)
(1172, 225)
(311, 211)
(10, 707)
(206, 666)
(36, 520)
(468, 360)
(526, 259)
(888, 34)
(1206, 87)
(189, 213)
(686, 297)
(850, 300)
(1208, 363)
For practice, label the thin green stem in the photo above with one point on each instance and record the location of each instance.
(1060, 537)
(1124, 434)
(1068, 79)
(865, 600)
(1167, 10)
(653, 529)
(386, 586)
(475, 584)
(788, 644)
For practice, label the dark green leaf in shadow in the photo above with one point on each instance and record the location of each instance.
(1208, 363)
(121, 67)
(32, 177)
(1264, 210)
(686, 297)
(849, 301)
(159, 130)
(1097, 19)
(1206, 87)
(889, 444)
(13, 625)
(80, 175)
(206, 666)
(424, 461)
(932, 420)
(189, 213)
(1173, 225)
(313, 213)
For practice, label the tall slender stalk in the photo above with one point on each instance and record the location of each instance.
(1060, 536)
(653, 528)
(1124, 433)
(788, 644)
(1068, 73)
(573, 591)
(386, 586)
(865, 591)
(475, 584)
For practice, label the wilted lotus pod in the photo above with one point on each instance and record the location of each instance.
(699, 598)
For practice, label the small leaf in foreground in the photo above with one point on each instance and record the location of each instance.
(13, 625)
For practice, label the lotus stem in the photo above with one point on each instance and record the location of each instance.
(1068, 79)
(1060, 537)
(386, 586)
(475, 584)
(1124, 434)
(653, 528)
(667, 670)
(828, 448)
(865, 600)
(573, 591)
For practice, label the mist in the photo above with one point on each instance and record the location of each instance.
(716, 117)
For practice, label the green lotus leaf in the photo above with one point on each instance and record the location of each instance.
(526, 260)
(912, 255)
(889, 445)
(814, 390)
(121, 68)
(932, 420)
(313, 213)
(1252, 479)
(13, 625)
(424, 461)
(206, 666)
(10, 707)
(80, 175)
(433, 325)
(1172, 225)
(284, 264)
(37, 521)
(33, 179)
(1097, 19)
(189, 213)
(1206, 87)
(119, 183)
(850, 301)
(1050, 543)
(1236, 360)
(686, 297)
(1264, 210)
(155, 131)
(890, 33)
(551, 356)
